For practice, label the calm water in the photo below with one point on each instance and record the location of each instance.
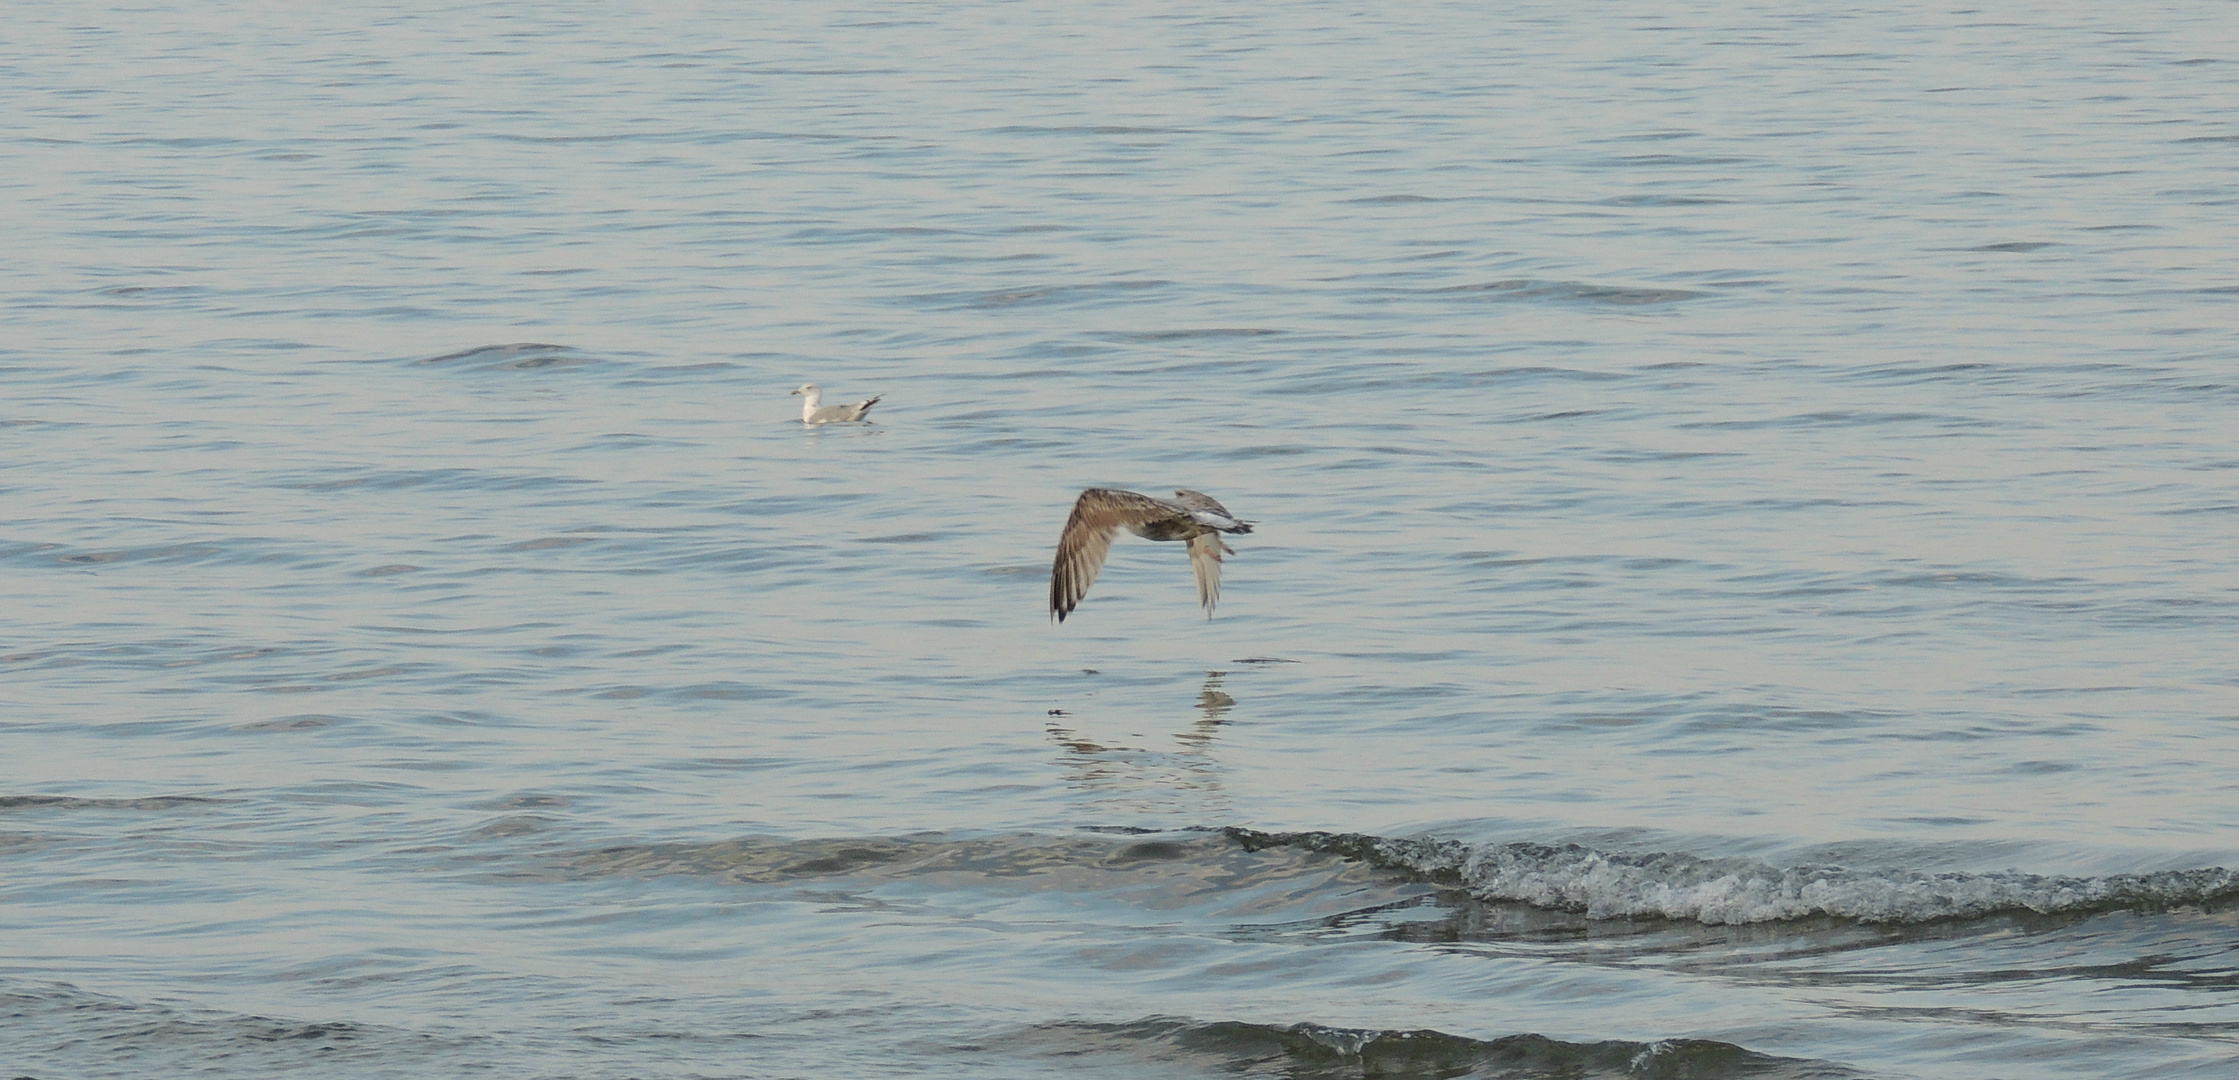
(1743, 586)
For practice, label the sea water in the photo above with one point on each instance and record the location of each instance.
(1742, 584)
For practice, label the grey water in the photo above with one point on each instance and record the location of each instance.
(1742, 585)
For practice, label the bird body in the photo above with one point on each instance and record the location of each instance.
(812, 415)
(1100, 513)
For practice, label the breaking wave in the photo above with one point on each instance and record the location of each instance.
(1180, 1047)
(1670, 885)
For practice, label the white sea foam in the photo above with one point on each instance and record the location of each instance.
(1668, 885)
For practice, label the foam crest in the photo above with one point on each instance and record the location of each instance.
(1670, 885)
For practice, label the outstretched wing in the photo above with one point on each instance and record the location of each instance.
(1098, 515)
(1205, 558)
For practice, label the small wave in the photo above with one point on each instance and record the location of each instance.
(445, 479)
(298, 722)
(69, 1029)
(775, 861)
(71, 802)
(162, 553)
(1086, 129)
(1666, 160)
(1031, 295)
(1574, 292)
(518, 356)
(1672, 885)
(1319, 1051)
(1841, 418)
(1187, 335)
(231, 551)
(1664, 200)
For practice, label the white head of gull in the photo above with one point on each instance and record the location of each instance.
(812, 415)
(1100, 513)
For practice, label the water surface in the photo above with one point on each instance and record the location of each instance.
(1742, 582)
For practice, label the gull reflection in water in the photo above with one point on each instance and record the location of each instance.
(1214, 703)
(1147, 778)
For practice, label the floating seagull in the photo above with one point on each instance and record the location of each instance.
(1100, 513)
(830, 414)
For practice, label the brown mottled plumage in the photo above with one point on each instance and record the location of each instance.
(1100, 513)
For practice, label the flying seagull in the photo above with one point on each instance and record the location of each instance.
(829, 414)
(1100, 513)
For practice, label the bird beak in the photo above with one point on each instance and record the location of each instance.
(795, 393)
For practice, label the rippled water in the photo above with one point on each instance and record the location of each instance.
(1742, 586)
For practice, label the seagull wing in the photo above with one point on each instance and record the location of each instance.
(1200, 505)
(832, 414)
(1205, 558)
(1098, 515)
